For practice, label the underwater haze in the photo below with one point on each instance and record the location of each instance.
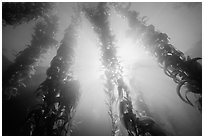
(182, 22)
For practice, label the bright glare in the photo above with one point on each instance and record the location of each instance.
(87, 66)
(88, 70)
(129, 51)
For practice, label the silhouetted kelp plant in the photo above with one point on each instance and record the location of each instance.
(23, 68)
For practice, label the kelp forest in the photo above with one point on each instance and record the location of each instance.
(101, 78)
